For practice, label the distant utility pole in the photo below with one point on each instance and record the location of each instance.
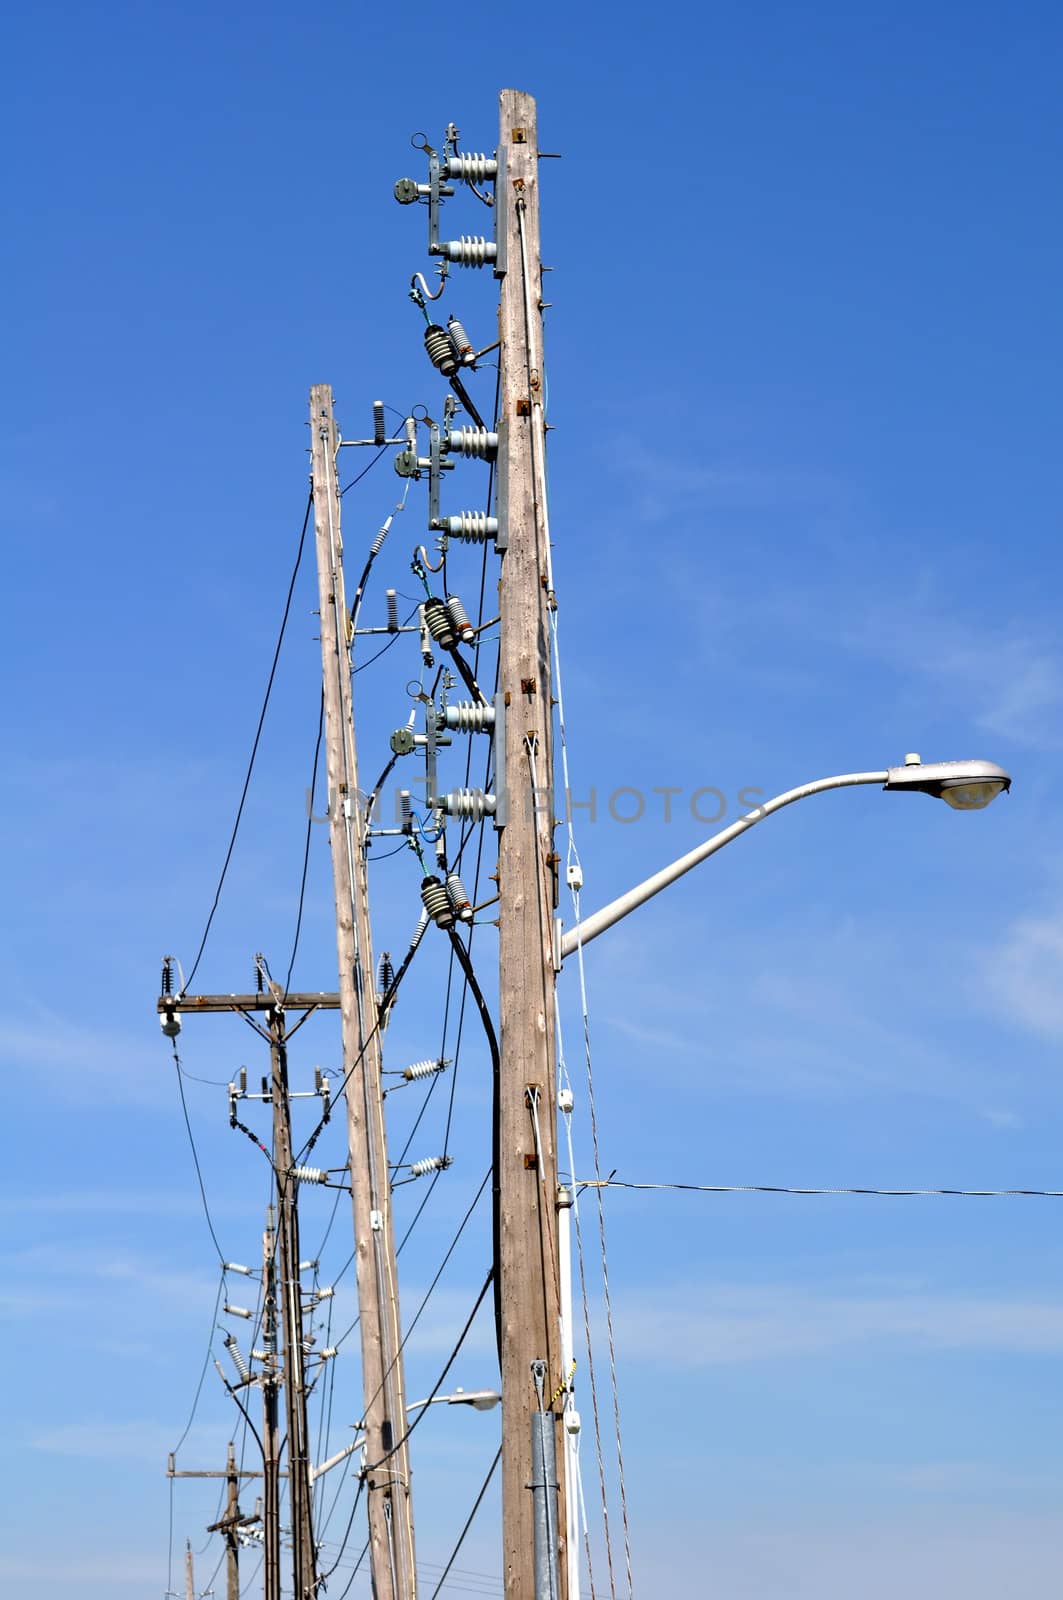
(304, 1581)
(271, 1488)
(390, 1508)
(229, 1526)
(232, 1521)
(190, 1579)
(281, 1292)
(532, 1494)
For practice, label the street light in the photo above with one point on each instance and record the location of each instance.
(963, 785)
(479, 1399)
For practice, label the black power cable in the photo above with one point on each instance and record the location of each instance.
(254, 746)
(465, 962)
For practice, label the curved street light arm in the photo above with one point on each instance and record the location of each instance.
(597, 923)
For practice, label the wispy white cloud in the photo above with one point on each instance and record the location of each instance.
(137, 1440)
(1024, 974)
(979, 1552)
(1014, 689)
(77, 1570)
(84, 1063)
(727, 1323)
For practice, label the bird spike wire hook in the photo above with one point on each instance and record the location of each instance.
(422, 555)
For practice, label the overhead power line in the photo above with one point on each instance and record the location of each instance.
(783, 1188)
(255, 743)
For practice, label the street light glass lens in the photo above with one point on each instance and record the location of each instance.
(971, 796)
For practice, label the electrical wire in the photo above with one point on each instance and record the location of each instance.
(781, 1188)
(375, 1466)
(324, 1576)
(255, 743)
(468, 1522)
(306, 846)
(195, 1154)
(383, 652)
(365, 470)
(465, 962)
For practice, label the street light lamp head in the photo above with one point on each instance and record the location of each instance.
(479, 1399)
(963, 785)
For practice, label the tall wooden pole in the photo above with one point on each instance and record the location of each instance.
(190, 1581)
(390, 1509)
(232, 1520)
(303, 1555)
(528, 1159)
(271, 1519)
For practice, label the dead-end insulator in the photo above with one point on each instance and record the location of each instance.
(465, 716)
(472, 527)
(469, 166)
(473, 804)
(237, 1311)
(468, 251)
(440, 623)
(430, 1164)
(478, 444)
(462, 343)
(441, 352)
(460, 619)
(379, 431)
(237, 1357)
(309, 1174)
(424, 1069)
(437, 902)
(458, 898)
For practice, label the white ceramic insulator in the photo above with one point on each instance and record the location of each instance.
(470, 803)
(472, 527)
(238, 1361)
(329, 1352)
(469, 251)
(430, 1164)
(467, 717)
(234, 1266)
(238, 1311)
(470, 166)
(310, 1174)
(476, 444)
(423, 1069)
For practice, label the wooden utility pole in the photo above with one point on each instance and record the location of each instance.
(282, 1300)
(271, 1504)
(304, 1583)
(527, 864)
(190, 1581)
(229, 1526)
(388, 1471)
(232, 1521)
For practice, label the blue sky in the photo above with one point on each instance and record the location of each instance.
(803, 367)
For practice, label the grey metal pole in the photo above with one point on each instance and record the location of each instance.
(544, 1487)
(597, 923)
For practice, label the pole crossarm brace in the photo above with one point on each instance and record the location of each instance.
(966, 785)
(246, 1002)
